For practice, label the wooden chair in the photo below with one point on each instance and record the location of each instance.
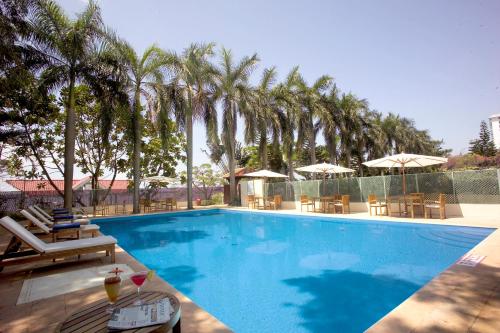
(170, 203)
(440, 204)
(146, 205)
(275, 202)
(374, 203)
(102, 209)
(343, 204)
(251, 201)
(305, 201)
(121, 209)
(417, 202)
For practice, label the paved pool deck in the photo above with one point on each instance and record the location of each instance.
(461, 299)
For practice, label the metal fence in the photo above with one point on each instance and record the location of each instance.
(11, 202)
(474, 186)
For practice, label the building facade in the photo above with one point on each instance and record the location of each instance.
(495, 129)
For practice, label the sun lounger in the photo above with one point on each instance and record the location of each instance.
(62, 229)
(58, 214)
(46, 218)
(45, 251)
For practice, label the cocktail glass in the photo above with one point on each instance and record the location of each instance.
(112, 284)
(138, 278)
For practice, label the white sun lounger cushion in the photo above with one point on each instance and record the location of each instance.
(41, 247)
(23, 234)
(40, 216)
(35, 221)
(79, 243)
(89, 227)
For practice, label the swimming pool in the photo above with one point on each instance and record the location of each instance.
(289, 273)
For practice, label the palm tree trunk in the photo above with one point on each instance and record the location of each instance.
(189, 153)
(136, 118)
(290, 166)
(69, 145)
(263, 150)
(331, 145)
(312, 146)
(232, 162)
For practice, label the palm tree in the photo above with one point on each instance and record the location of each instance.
(235, 93)
(374, 136)
(191, 97)
(351, 125)
(68, 46)
(330, 121)
(266, 119)
(312, 106)
(285, 96)
(145, 76)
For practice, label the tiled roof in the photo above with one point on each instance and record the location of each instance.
(44, 185)
(239, 172)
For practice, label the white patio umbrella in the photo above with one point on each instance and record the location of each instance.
(324, 168)
(158, 179)
(264, 174)
(405, 161)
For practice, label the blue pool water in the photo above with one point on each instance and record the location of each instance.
(286, 273)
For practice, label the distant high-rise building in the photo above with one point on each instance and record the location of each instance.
(495, 129)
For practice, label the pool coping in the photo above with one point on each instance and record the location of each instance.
(440, 305)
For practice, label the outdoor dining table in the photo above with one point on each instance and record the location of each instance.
(94, 318)
(323, 202)
(259, 200)
(406, 201)
(158, 204)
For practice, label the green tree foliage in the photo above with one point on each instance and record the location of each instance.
(484, 145)
(70, 47)
(161, 157)
(235, 94)
(137, 97)
(190, 97)
(205, 179)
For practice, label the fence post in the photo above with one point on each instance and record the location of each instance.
(385, 189)
(453, 185)
(498, 179)
(360, 189)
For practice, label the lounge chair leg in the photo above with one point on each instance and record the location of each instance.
(113, 256)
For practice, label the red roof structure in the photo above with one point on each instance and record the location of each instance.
(29, 185)
(239, 172)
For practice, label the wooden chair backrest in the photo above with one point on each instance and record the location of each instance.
(251, 198)
(372, 198)
(442, 199)
(304, 198)
(345, 199)
(337, 197)
(277, 199)
(418, 195)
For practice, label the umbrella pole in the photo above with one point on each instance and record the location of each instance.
(324, 183)
(404, 189)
